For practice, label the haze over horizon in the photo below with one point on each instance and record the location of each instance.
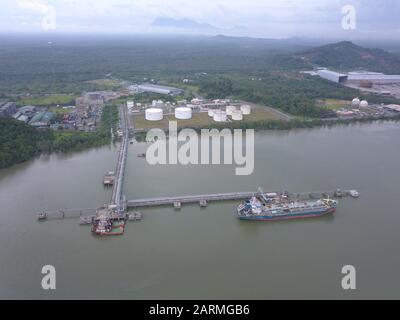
(254, 18)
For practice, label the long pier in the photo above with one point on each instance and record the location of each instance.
(218, 197)
(117, 197)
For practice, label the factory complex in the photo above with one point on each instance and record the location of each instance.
(359, 109)
(366, 81)
(220, 110)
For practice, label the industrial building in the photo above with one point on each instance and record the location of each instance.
(7, 109)
(246, 110)
(356, 77)
(332, 75)
(373, 77)
(42, 119)
(147, 87)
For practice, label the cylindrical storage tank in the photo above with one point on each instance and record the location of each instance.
(230, 109)
(237, 115)
(154, 114)
(211, 113)
(183, 113)
(355, 103)
(160, 104)
(246, 109)
(364, 104)
(220, 116)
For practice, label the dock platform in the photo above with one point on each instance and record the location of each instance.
(203, 200)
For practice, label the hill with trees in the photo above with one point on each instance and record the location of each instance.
(346, 55)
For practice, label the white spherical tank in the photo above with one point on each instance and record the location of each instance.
(160, 104)
(246, 109)
(183, 113)
(230, 109)
(364, 104)
(154, 114)
(355, 103)
(220, 116)
(211, 113)
(237, 115)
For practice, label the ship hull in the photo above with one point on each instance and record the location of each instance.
(287, 217)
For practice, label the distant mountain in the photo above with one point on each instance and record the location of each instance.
(181, 24)
(346, 56)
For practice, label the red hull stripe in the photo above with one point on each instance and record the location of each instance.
(290, 217)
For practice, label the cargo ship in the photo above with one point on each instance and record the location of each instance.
(281, 207)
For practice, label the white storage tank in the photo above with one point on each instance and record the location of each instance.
(364, 104)
(246, 109)
(230, 109)
(237, 115)
(355, 103)
(220, 116)
(154, 114)
(160, 104)
(183, 113)
(211, 113)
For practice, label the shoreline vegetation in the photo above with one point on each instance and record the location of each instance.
(20, 142)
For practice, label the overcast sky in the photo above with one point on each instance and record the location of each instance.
(257, 18)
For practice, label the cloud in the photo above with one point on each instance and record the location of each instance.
(261, 18)
(34, 6)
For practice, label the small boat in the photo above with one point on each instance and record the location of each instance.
(354, 193)
(338, 193)
(85, 220)
(42, 216)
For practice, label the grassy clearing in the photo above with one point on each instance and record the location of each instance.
(333, 104)
(199, 120)
(106, 83)
(47, 100)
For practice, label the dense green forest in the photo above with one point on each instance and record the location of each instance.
(349, 56)
(291, 92)
(20, 142)
(65, 64)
